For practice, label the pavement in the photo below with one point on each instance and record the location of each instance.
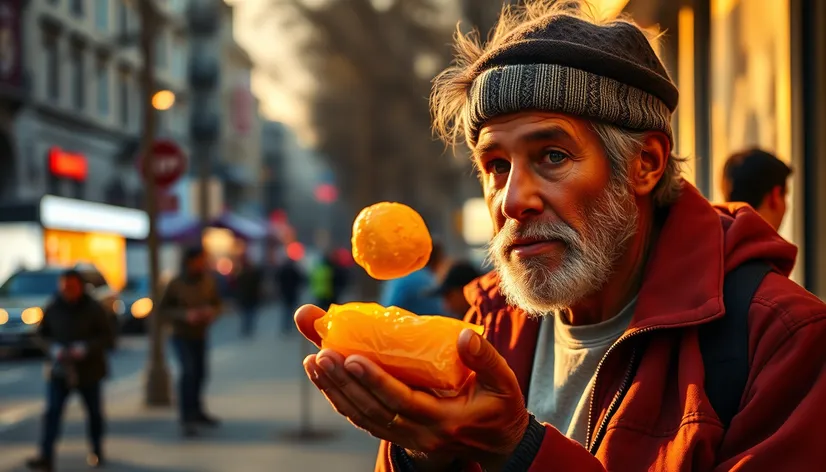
(256, 388)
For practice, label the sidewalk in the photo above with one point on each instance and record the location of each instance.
(254, 389)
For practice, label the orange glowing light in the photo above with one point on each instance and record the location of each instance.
(295, 251)
(224, 266)
(163, 100)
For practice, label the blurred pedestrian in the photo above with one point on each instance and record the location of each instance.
(291, 280)
(412, 292)
(451, 289)
(75, 333)
(191, 303)
(327, 281)
(248, 286)
(759, 178)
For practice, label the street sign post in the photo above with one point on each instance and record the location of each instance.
(164, 164)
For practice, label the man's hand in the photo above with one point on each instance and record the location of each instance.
(483, 424)
(207, 314)
(58, 352)
(77, 351)
(193, 316)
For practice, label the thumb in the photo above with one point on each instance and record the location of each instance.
(305, 318)
(492, 371)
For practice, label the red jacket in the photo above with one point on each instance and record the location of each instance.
(665, 421)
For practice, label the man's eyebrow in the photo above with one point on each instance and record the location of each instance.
(553, 133)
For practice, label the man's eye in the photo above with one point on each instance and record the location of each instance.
(498, 166)
(555, 157)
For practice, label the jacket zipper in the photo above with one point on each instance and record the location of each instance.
(593, 441)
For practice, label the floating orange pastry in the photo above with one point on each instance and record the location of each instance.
(390, 240)
(420, 351)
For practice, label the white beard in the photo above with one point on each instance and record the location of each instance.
(533, 285)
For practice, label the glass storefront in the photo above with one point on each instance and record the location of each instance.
(751, 92)
(106, 251)
(734, 62)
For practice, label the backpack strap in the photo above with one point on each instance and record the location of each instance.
(724, 342)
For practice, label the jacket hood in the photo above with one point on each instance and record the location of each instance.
(683, 283)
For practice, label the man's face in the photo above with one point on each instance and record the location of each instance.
(197, 265)
(71, 288)
(774, 206)
(456, 303)
(560, 220)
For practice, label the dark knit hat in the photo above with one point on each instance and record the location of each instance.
(607, 73)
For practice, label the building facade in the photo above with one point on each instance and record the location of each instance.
(14, 88)
(78, 134)
(240, 158)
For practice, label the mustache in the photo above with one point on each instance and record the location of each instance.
(540, 230)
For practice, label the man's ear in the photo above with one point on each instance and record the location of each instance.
(774, 198)
(649, 168)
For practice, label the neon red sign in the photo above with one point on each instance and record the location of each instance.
(68, 165)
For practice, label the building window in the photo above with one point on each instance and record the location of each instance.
(77, 7)
(123, 98)
(179, 60)
(123, 18)
(78, 79)
(102, 14)
(52, 67)
(161, 51)
(103, 88)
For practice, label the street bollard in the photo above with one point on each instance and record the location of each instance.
(306, 432)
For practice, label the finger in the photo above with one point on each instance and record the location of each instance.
(305, 318)
(349, 408)
(368, 406)
(492, 371)
(395, 395)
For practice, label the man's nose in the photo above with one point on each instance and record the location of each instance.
(522, 195)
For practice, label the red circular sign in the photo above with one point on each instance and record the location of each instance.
(166, 165)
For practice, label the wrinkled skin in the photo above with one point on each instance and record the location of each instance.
(484, 423)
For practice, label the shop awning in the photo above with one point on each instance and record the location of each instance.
(178, 227)
(69, 214)
(245, 227)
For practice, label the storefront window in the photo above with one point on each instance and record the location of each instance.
(751, 88)
(107, 252)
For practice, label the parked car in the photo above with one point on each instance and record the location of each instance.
(137, 302)
(24, 295)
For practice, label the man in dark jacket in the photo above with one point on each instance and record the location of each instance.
(291, 280)
(451, 289)
(248, 295)
(76, 334)
(191, 303)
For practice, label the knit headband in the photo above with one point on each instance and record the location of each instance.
(560, 63)
(555, 88)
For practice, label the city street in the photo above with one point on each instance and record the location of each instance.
(254, 389)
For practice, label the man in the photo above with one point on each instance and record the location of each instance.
(75, 333)
(760, 179)
(410, 292)
(291, 280)
(191, 303)
(608, 294)
(248, 286)
(452, 288)
(327, 281)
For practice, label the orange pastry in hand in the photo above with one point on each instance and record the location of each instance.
(420, 351)
(390, 240)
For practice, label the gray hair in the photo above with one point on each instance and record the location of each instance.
(621, 145)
